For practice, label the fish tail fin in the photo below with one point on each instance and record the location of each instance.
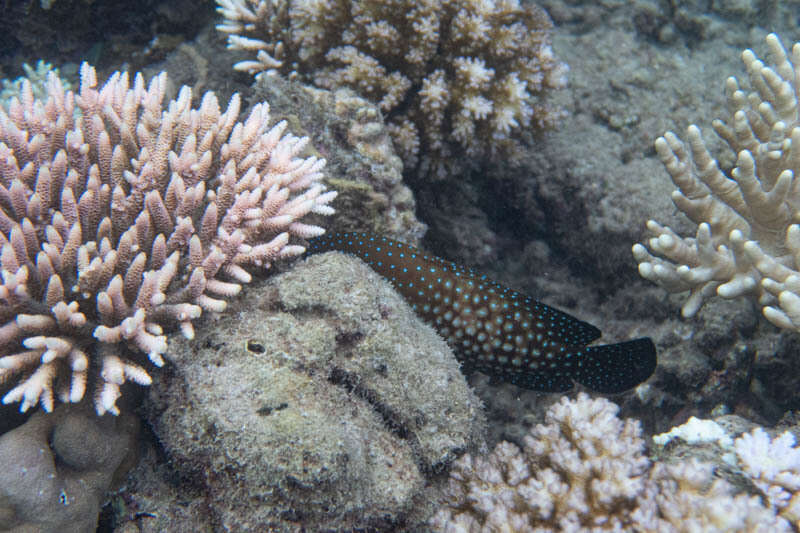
(612, 368)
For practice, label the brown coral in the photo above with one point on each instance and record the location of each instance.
(119, 216)
(454, 77)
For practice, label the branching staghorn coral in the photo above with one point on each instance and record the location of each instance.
(454, 77)
(748, 238)
(128, 216)
(584, 469)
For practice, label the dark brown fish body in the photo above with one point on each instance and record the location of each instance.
(496, 330)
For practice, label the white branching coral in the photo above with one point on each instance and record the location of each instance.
(119, 216)
(774, 466)
(748, 237)
(454, 77)
(584, 469)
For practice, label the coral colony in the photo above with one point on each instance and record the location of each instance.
(584, 469)
(748, 239)
(129, 216)
(121, 216)
(453, 78)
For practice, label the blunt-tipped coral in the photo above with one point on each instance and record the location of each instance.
(119, 216)
(454, 77)
(748, 238)
(584, 469)
(774, 467)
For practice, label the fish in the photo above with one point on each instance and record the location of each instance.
(493, 329)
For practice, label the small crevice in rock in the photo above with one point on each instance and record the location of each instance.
(352, 383)
(267, 410)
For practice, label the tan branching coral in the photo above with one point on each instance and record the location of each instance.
(584, 469)
(748, 234)
(127, 216)
(454, 77)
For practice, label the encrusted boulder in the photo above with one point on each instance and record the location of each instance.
(319, 400)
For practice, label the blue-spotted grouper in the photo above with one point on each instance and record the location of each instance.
(496, 330)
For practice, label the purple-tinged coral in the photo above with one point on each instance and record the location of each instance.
(119, 216)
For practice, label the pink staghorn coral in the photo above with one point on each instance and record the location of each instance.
(584, 469)
(119, 216)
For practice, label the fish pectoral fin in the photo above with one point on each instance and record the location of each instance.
(613, 368)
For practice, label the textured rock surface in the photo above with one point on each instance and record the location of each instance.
(362, 164)
(320, 399)
(56, 469)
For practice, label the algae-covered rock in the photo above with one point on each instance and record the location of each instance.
(318, 400)
(349, 132)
